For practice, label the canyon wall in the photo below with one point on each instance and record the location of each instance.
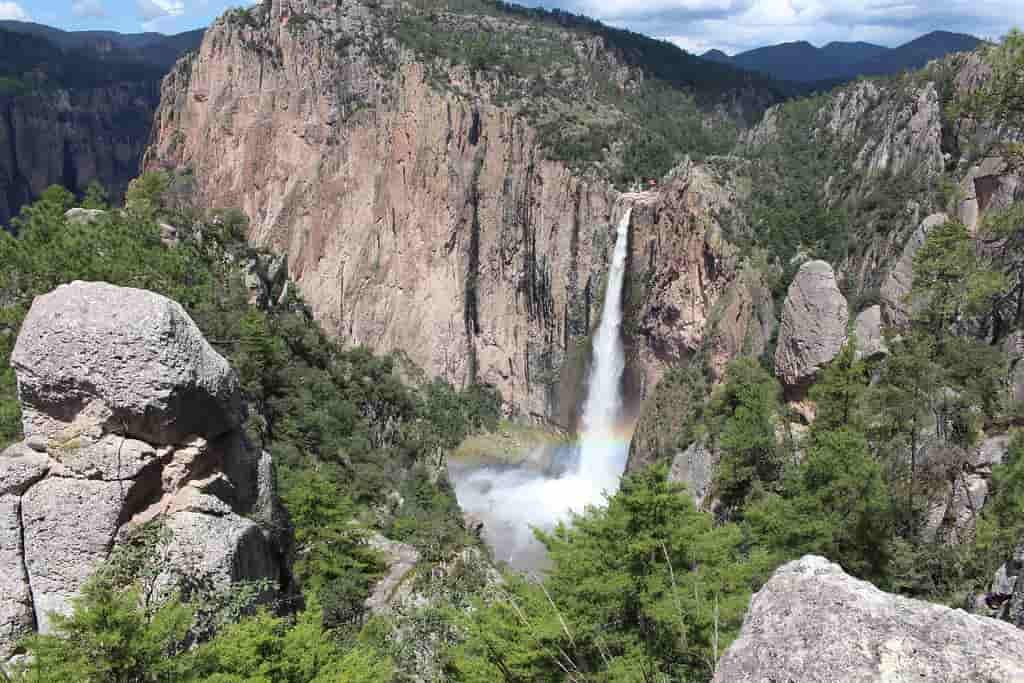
(419, 219)
(71, 138)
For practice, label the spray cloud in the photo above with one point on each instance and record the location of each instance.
(512, 500)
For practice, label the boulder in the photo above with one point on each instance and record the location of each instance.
(812, 622)
(69, 529)
(127, 360)
(17, 619)
(80, 216)
(222, 547)
(896, 287)
(868, 328)
(814, 324)
(400, 559)
(694, 467)
(130, 417)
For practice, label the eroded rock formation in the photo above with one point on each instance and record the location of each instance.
(418, 218)
(813, 623)
(129, 416)
(813, 329)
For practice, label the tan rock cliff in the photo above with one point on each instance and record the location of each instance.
(418, 219)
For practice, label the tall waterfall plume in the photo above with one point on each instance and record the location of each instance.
(602, 449)
(512, 500)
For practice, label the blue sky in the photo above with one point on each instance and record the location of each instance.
(696, 25)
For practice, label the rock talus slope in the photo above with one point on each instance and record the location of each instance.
(129, 417)
(813, 623)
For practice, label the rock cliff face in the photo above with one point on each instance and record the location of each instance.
(129, 416)
(70, 138)
(812, 622)
(419, 219)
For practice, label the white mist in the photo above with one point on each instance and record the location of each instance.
(511, 501)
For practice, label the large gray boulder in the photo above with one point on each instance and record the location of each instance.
(130, 417)
(868, 328)
(812, 622)
(694, 467)
(69, 527)
(897, 284)
(128, 360)
(814, 324)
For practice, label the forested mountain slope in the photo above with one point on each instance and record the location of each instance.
(837, 62)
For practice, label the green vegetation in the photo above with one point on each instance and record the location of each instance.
(1002, 96)
(34, 64)
(647, 589)
(342, 425)
(628, 118)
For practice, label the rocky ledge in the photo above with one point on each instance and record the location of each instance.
(812, 622)
(129, 416)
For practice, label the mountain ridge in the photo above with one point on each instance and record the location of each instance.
(803, 62)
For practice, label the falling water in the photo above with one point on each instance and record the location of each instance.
(512, 501)
(602, 452)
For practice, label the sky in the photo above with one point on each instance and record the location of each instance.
(695, 25)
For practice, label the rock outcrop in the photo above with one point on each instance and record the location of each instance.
(813, 623)
(897, 285)
(129, 417)
(695, 467)
(868, 328)
(160, 382)
(814, 322)
(417, 218)
(990, 186)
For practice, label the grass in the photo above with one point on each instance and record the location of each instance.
(509, 444)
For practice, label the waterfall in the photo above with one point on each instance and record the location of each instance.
(602, 450)
(511, 500)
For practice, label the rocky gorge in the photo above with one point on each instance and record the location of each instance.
(398, 240)
(417, 218)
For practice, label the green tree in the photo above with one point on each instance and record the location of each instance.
(903, 405)
(1002, 96)
(949, 280)
(145, 194)
(648, 588)
(742, 416)
(96, 196)
(109, 638)
(835, 503)
(838, 394)
(269, 649)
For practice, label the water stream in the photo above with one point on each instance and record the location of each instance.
(511, 500)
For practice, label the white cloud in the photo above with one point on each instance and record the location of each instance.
(88, 8)
(12, 10)
(154, 12)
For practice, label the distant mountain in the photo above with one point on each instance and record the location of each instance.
(917, 53)
(852, 53)
(798, 61)
(77, 107)
(843, 61)
(154, 48)
(717, 56)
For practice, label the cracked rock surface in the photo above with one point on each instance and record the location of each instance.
(130, 416)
